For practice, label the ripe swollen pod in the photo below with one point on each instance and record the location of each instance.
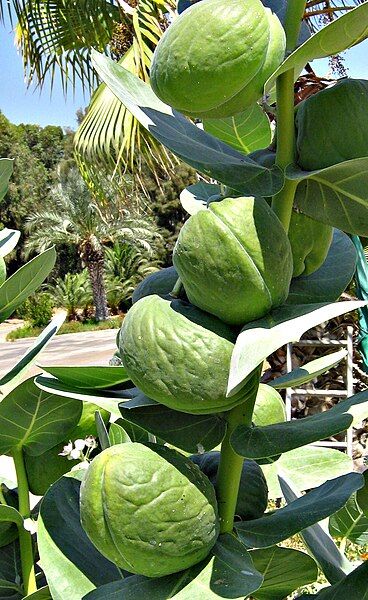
(235, 260)
(310, 241)
(148, 509)
(215, 58)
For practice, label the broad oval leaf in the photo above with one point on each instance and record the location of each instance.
(337, 36)
(192, 433)
(269, 407)
(6, 170)
(272, 440)
(71, 563)
(118, 435)
(362, 495)
(10, 572)
(308, 371)
(353, 586)
(35, 420)
(299, 514)
(107, 400)
(24, 282)
(13, 376)
(336, 195)
(306, 468)
(41, 594)
(320, 544)
(88, 377)
(247, 131)
(350, 523)
(195, 197)
(8, 240)
(331, 279)
(285, 324)
(191, 144)
(284, 569)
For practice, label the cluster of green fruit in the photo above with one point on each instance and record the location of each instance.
(145, 507)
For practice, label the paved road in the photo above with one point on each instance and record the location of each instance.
(88, 348)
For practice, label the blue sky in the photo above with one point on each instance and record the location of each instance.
(30, 106)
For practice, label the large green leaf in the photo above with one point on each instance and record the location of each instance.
(118, 435)
(306, 468)
(320, 544)
(25, 281)
(350, 522)
(247, 131)
(353, 587)
(35, 420)
(337, 36)
(8, 514)
(230, 573)
(336, 195)
(6, 170)
(308, 371)
(300, 514)
(10, 572)
(71, 563)
(362, 495)
(191, 144)
(90, 377)
(192, 433)
(107, 400)
(272, 440)
(195, 197)
(269, 407)
(8, 240)
(29, 357)
(284, 570)
(285, 324)
(331, 279)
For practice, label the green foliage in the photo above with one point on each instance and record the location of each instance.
(37, 310)
(72, 293)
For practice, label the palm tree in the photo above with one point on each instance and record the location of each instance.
(74, 218)
(55, 38)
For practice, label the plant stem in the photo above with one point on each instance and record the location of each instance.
(177, 289)
(282, 202)
(231, 464)
(293, 20)
(25, 538)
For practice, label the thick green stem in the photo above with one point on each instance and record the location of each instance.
(282, 202)
(293, 20)
(231, 464)
(25, 538)
(177, 289)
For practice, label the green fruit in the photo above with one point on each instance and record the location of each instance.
(148, 509)
(215, 58)
(310, 242)
(45, 469)
(332, 126)
(253, 490)
(178, 355)
(160, 283)
(235, 260)
(2, 270)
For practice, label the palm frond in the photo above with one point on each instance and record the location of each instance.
(109, 140)
(57, 35)
(318, 14)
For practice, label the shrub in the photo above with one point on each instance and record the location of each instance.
(37, 309)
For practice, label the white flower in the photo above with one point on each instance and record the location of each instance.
(79, 444)
(90, 442)
(75, 454)
(67, 449)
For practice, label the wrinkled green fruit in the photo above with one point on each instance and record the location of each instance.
(178, 355)
(42, 471)
(148, 509)
(235, 260)
(310, 242)
(332, 126)
(215, 58)
(160, 283)
(2, 270)
(253, 490)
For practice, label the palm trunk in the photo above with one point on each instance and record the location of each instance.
(94, 261)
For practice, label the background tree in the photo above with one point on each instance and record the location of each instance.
(75, 219)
